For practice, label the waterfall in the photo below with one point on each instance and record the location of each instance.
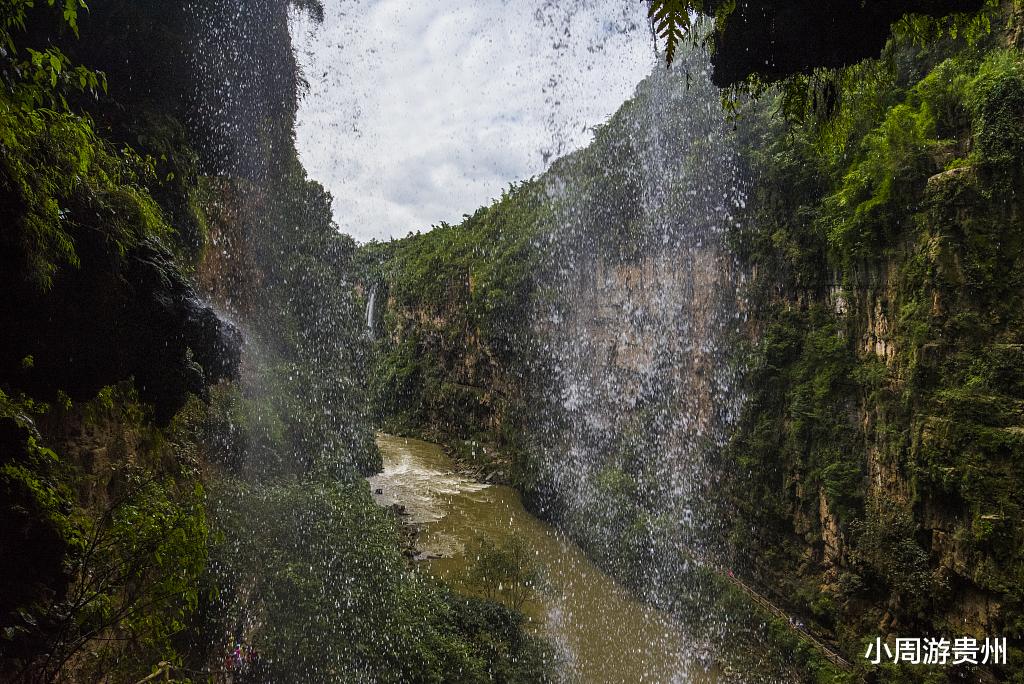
(637, 328)
(371, 310)
(637, 303)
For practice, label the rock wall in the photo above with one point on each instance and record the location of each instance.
(875, 473)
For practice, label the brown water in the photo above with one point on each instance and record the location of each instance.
(604, 634)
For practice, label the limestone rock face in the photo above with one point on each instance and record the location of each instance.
(771, 38)
(112, 319)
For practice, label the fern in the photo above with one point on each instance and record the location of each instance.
(670, 21)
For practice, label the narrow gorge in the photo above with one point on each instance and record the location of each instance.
(730, 391)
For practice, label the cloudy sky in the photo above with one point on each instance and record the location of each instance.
(420, 111)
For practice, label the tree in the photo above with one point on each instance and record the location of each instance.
(504, 572)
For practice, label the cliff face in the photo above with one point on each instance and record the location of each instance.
(880, 447)
(774, 40)
(452, 351)
(638, 396)
(116, 370)
(166, 489)
(645, 321)
(866, 285)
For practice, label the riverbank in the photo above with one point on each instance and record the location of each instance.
(789, 650)
(602, 633)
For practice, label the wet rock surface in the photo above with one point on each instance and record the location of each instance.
(111, 319)
(771, 39)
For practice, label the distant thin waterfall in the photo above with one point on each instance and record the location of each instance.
(371, 310)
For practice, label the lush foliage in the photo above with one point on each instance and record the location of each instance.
(671, 21)
(505, 571)
(882, 427)
(456, 296)
(58, 176)
(114, 573)
(323, 604)
(37, 78)
(103, 556)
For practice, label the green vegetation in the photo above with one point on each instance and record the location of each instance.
(360, 613)
(107, 552)
(154, 504)
(505, 572)
(55, 169)
(455, 300)
(57, 172)
(103, 546)
(881, 431)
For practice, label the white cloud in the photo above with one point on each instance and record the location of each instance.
(420, 111)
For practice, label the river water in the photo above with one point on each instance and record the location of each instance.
(604, 635)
